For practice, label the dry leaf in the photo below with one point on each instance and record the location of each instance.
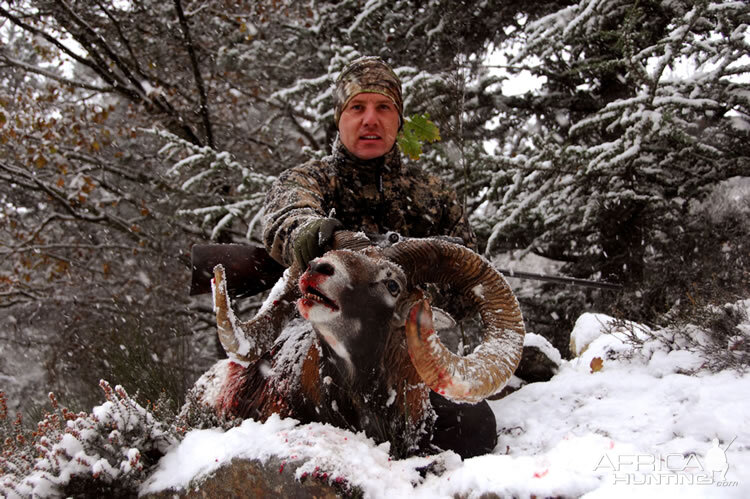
(596, 364)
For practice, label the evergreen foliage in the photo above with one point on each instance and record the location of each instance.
(642, 115)
(131, 130)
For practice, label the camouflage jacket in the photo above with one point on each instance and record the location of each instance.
(373, 196)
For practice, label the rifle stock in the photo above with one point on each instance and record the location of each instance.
(249, 268)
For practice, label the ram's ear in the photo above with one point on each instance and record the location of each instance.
(406, 303)
(442, 319)
(427, 319)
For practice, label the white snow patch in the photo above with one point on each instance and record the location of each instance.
(587, 328)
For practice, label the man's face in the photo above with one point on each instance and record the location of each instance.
(368, 125)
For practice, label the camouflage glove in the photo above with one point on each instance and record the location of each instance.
(313, 239)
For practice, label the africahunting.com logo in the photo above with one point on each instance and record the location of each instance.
(670, 469)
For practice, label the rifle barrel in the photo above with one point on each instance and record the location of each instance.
(560, 280)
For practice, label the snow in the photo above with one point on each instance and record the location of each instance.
(638, 425)
(586, 329)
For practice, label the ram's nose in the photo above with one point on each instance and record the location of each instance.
(320, 266)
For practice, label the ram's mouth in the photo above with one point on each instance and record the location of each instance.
(313, 294)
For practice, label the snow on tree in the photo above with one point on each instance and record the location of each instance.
(643, 113)
(98, 224)
(132, 130)
(107, 451)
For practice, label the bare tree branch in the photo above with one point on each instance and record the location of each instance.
(196, 74)
(111, 54)
(54, 41)
(298, 126)
(53, 76)
(59, 197)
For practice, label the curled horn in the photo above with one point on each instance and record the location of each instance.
(248, 340)
(486, 370)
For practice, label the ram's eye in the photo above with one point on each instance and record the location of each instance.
(392, 287)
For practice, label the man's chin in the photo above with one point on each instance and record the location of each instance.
(369, 151)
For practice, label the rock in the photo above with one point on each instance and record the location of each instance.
(535, 365)
(539, 360)
(587, 328)
(250, 478)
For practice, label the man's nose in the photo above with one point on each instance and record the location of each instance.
(369, 117)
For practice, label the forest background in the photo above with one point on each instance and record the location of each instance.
(131, 130)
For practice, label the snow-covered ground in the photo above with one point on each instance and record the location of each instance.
(617, 421)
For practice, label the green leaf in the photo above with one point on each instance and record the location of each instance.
(417, 130)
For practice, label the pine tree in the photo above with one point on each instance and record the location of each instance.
(642, 115)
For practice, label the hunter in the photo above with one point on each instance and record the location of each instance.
(363, 185)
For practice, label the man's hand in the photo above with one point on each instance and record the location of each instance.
(313, 239)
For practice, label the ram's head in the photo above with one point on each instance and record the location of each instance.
(371, 338)
(355, 299)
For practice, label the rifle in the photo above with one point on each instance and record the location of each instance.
(586, 283)
(251, 270)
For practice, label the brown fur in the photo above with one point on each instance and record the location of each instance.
(405, 421)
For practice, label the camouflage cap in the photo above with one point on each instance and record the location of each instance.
(367, 75)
